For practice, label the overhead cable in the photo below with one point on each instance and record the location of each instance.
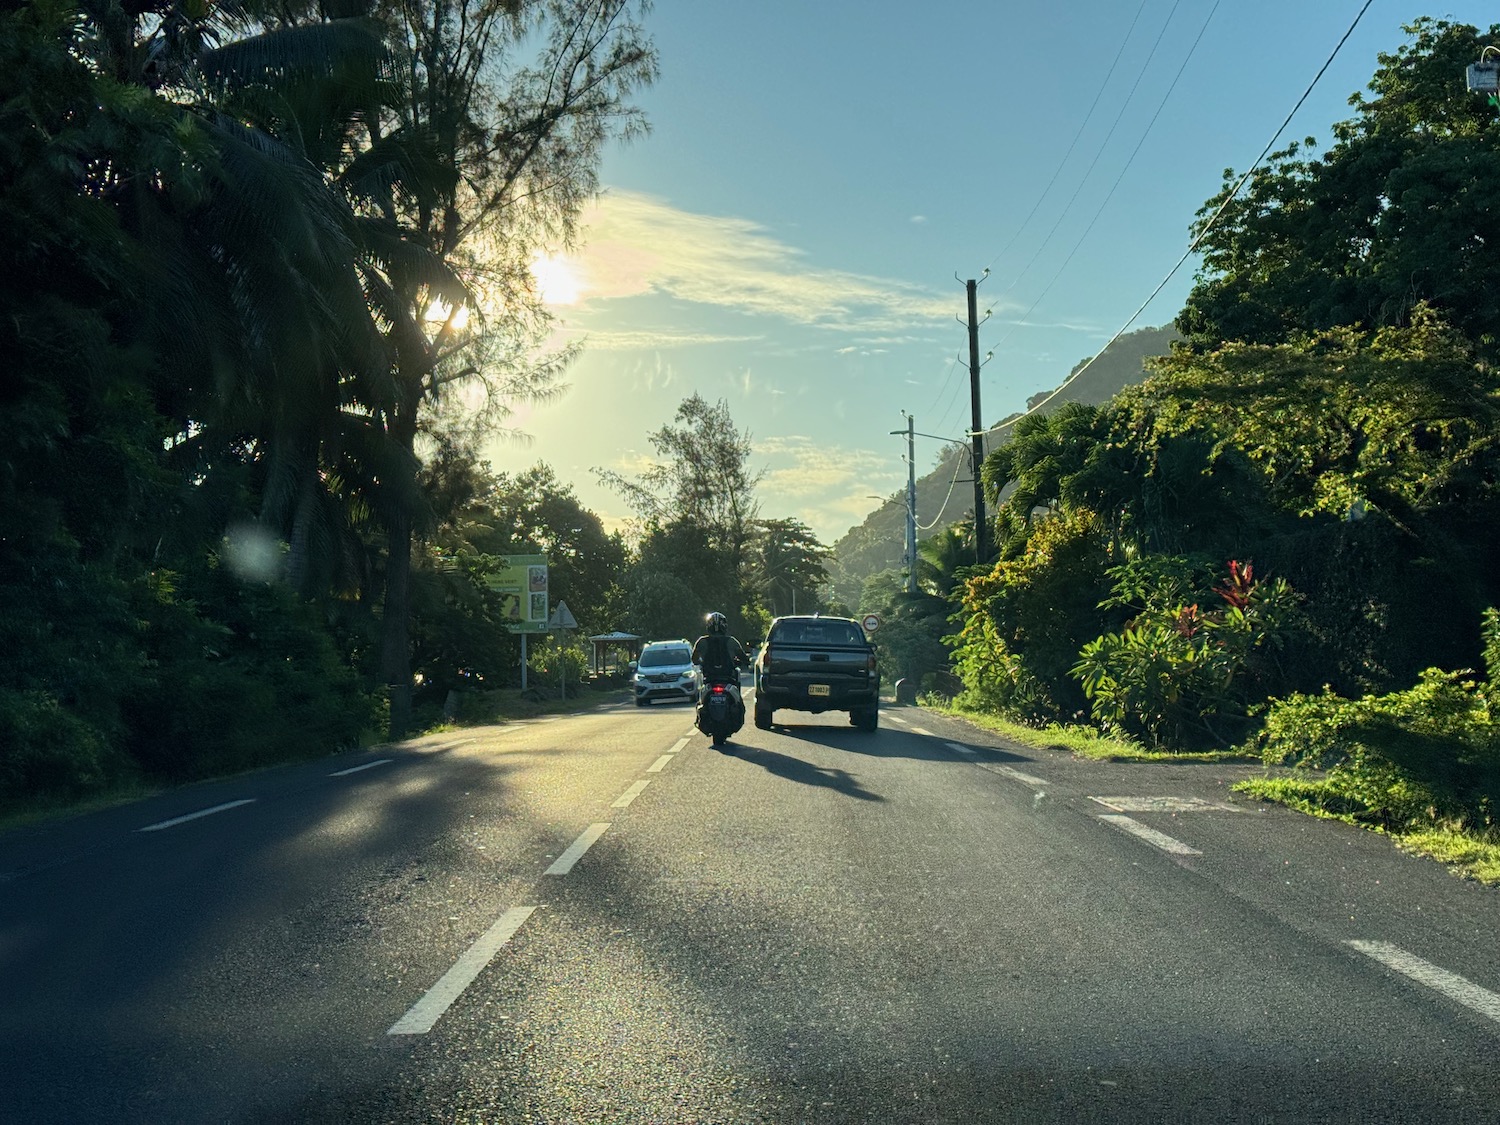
(1099, 153)
(1202, 234)
(1089, 116)
(957, 468)
(1110, 194)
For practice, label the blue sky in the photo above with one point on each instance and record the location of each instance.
(787, 236)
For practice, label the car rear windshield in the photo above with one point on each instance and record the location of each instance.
(818, 633)
(662, 657)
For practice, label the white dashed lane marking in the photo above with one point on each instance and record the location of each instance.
(440, 997)
(1451, 985)
(624, 799)
(1165, 804)
(920, 730)
(176, 820)
(1150, 835)
(1014, 774)
(660, 764)
(681, 742)
(359, 769)
(1003, 771)
(564, 863)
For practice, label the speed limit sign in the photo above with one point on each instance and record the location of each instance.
(870, 622)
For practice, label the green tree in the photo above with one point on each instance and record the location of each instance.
(697, 509)
(1403, 209)
(503, 112)
(789, 566)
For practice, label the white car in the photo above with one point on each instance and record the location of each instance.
(665, 671)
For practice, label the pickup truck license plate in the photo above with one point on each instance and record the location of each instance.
(817, 689)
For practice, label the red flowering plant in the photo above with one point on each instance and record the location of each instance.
(1174, 674)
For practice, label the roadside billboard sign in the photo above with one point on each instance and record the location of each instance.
(521, 581)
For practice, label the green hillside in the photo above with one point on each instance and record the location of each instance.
(946, 493)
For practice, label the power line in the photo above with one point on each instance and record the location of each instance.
(1202, 234)
(1089, 116)
(1113, 187)
(951, 394)
(1125, 105)
(958, 464)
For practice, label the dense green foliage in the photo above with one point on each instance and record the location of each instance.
(1401, 211)
(1286, 533)
(234, 246)
(1425, 756)
(703, 546)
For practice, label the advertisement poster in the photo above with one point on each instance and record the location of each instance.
(522, 583)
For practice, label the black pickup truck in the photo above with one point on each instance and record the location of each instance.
(817, 664)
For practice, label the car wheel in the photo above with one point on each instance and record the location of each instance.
(640, 703)
(763, 718)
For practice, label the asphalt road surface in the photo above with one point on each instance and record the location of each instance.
(600, 918)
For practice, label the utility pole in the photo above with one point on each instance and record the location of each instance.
(911, 501)
(976, 451)
(911, 504)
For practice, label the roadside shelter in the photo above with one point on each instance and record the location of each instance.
(607, 648)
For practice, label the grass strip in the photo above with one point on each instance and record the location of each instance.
(1468, 854)
(1085, 742)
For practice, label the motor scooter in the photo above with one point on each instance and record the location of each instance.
(721, 710)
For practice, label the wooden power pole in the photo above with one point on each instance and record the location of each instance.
(976, 451)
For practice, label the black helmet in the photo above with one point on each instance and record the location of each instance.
(718, 624)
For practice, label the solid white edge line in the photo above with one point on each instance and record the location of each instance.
(357, 769)
(660, 764)
(176, 820)
(586, 840)
(961, 748)
(1150, 835)
(681, 742)
(439, 998)
(1451, 985)
(624, 799)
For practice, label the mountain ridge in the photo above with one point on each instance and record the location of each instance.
(945, 493)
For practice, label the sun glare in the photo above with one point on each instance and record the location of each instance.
(557, 280)
(438, 311)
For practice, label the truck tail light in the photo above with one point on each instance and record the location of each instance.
(870, 664)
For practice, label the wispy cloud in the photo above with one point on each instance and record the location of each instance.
(827, 487)
(919, 219)
(637, 244)
(645, 339)
(812, 468)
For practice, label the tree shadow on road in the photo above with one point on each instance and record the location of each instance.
(794, 769)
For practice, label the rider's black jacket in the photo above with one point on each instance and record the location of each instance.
(720, 656)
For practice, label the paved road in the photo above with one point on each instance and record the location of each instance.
(600, 918)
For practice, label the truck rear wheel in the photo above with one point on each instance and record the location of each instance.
(865, 720)
(763, 718)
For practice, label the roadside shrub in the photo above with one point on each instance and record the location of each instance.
(547, 663)
(260, 681)
(1426, 756)
(1024, 621)
(48, 751)
(1179, 674)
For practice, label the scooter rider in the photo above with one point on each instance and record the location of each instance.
(719, 655)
